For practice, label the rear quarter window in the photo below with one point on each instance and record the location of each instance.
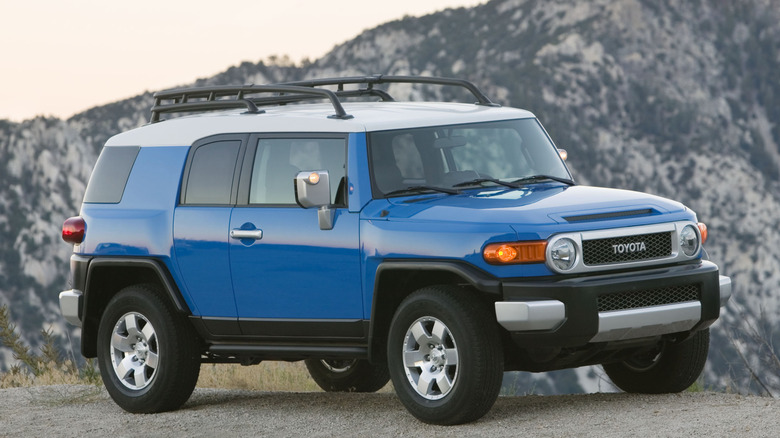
(109, 178)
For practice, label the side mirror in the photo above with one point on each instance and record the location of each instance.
(312, 189)
(564, 155)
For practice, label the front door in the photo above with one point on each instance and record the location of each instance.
(290, 278)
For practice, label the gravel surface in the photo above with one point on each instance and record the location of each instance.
(53, 411)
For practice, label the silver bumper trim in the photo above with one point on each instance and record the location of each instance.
(725, 289)
(532, 315)
(70, 306)
(647, 321)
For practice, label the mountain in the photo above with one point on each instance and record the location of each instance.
(679, 99)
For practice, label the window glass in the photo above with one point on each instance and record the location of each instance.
(108, 180)
(278, 160)
(210, 180)
(453, 155)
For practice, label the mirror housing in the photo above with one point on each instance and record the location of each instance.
(312, 189)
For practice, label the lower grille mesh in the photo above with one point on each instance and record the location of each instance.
(647, 298)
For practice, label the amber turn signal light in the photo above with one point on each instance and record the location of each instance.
(703, 231)
(515, 252)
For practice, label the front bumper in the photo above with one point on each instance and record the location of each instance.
(565, 313)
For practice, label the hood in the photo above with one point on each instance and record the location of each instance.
(535, 204)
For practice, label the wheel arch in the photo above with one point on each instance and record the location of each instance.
(106, 277)
(397, 279)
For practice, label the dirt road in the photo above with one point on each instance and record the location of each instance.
(53, 411)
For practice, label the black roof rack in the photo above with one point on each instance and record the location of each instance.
(225, 97)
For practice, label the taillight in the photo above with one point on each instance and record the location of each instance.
(74, 229)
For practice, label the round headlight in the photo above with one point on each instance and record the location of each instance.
(689, 240)
(563, 254)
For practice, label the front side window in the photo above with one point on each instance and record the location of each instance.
(278, 160)
(449, 156)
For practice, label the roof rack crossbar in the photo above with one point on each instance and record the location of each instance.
(482, 99)
(228, 97)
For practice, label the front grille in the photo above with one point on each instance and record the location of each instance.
(647, 298)
(627, 248)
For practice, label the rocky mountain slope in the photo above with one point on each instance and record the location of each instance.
(679, 99)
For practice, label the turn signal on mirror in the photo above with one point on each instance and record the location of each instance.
(515, 252)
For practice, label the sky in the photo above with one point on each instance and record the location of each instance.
(62, 57)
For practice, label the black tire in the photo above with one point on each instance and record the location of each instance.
(348, 375)
(673, 367)
(457, 325)
(153, 362)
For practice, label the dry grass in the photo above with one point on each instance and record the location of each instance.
(46, 367)
(267, 376)
(51, 373)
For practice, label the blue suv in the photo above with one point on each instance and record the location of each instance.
(434, 244)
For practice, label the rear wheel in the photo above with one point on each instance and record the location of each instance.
(348, 375)
(444, 355)
(149, 359)
(672, 367)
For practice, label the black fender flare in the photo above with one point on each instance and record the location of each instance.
(475, 277)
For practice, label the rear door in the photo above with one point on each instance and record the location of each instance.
(201, 247)
(290, 278)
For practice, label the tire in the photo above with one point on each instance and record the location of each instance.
(445, 356)
(149, 358)
(673, 367)
(348, 375)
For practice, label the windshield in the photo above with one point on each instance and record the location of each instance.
(460, 156)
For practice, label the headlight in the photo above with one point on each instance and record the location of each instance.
(563, 254)
(689, 240)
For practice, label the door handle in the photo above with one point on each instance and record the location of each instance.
(238, 233)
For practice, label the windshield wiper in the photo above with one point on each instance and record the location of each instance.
(415, 189)
(533, 178)
(485, 179)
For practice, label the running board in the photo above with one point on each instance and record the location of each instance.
(288, 352)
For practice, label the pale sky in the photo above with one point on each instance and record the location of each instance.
(60, 57)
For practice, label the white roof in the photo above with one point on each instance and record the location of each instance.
(368, 116)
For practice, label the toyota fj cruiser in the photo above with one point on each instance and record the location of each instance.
(434, 244)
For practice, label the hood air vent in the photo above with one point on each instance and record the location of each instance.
(610, 215)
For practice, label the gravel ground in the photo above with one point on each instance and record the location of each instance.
(54, 411)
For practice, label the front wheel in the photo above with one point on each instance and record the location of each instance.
(672, 367)
(149, 359)
(444, 355)
(347, 375)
